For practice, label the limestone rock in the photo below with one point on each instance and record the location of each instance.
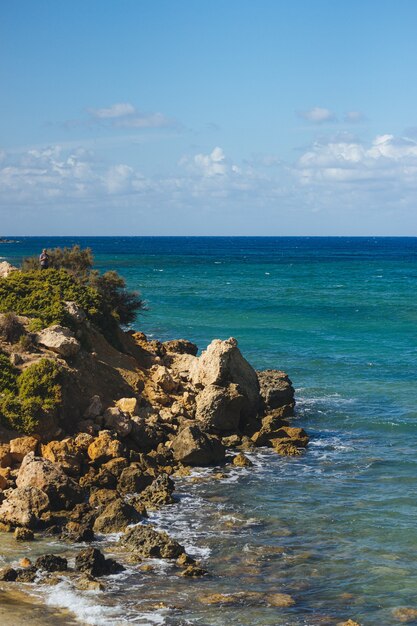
(115, 517)
(145, 541)
(23, 534)
(24, 507)
(133, 479)
(66, 454)
(162, 377)
(280, 599)
(5, 455)
(91, 561)
(159, 492)
(276, 388)
(117, 421)
(75, 312)
(62, 491)
(21, 446)
(105, 447)
(145, 436)
(183, 366)
(240, 460)
(102, 497)
(288, 434)
(405, 614)
(128, 405)
(116, 466)
(222, 363)
(95, 408)
(6, 269)
(194, 447)
(51, 563)
(180, 346)
(219, 409)
(59, 339)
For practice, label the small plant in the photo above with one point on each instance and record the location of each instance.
(10, 327)
(26, 343)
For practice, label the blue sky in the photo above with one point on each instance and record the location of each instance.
(208, 117)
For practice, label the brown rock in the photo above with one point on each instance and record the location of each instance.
(23, 534)
(59, 339)
(240, 460)
(88, 583)
(66, 454)
(102, 497)
(116, 466)
(220, 408)
(145, 541)
(91, 561)
(296, 436)
(117, 421)
(194, 447)
(280, 599)
(105, 447)
(25, 562)
(128, 405)
(8, 574)
(21, 446)
(24, 506)
(116, 517)
(405, 614)
(82, 441)
(180, 346)
(94, 409)
(193, 571)
(276, 388)
(159, 492)
(162, 377)
(5, 456)
(133, 480)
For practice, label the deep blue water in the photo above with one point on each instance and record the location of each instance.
(340, 315)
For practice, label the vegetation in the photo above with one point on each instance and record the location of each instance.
(75, 260)
(27, 397)
(10, 328)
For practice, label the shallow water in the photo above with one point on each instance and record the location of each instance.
(335, 528)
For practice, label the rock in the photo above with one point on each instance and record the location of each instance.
(16, 358)
(184, 560)
(276, 388)
(100, 478)
(25, 562)
(6, 269)
(59, 339)
(63, 492)
(51, 563)
(75, 312)
(26, 575)
(145, 436)
(147, 542)
(286, 448)
(193, 571)
(116, 466)
(240, 460)
(23, 534)
(24, 506)
(102, 497)
(105, 447)
(194, 447)
(219, 409)
(280, 599)
(115, 517)
(3, 482)
(349, 622)
(138, 505)
(289, 434)
(5, 455)
(94, 409)
(232, 441)
(88, 583)
(162, 377)
(66, 454)
(91, 561)
(128, 405)
(180, 346)
(222, 363)
(8, 574)
(133, 480)
(405, 614)
(115, 420)
(21, 446)
(159, 492)
(82, 441)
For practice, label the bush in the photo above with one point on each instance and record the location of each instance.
(75, 260)
(119, 302)
(10, 327)
(28, 397)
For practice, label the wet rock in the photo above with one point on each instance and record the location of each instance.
(51, 563)
(193, 571)
(94, 409)
(194, 447)
(180, 346)
(145, 541)
(138, 505)
(63, 492)
(24, 506)
(78, 532)
(59, 339)
(88, 583)
(93, 562)
(133, 480)
(105, 447)
(287, 448)
(8, 574)
(27, 575)
(66, 454)
(116, 517)
(288, 434)
(159, 492)
(280, 600)
(232, 441)
(21, 446)
(219, 408)
(240, 460)
(405, 614)
(349, 622)
(23, 534)
(276, 388)
(184, 560)
(117, 421)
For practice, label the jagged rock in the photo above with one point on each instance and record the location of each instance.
(115, 517)
(101, 478)
(162, 377)
(83, 514)
(115, 420)
(51, 563)
(184, 560)
(62, 491)
(105, 447)
(21, 446)
(145, 541)
(24, 507)
(276, 388)
(116, 466)
(128, 405)
(240, 460)
(145, 436)
(78, 532)
(192, 446)
(91, 561)
(94, 409)
(232, 441)
(88, 583)
(75, 312)
(350, 622)
(5, 455)
(193, 571)
(102, 497)
(23, 534)
(82, 441)
(180, 346)
(183, 366)
(288, 434)
(8, 574)
(133, 479)
(220, 408)
(59, 339)
(64, 453)
(159, 492)
(222, 363)
(6, 269)
(27, 575)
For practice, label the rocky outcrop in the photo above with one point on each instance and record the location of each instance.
(276, 389)
(145, 541)
(105, 447)
(21, 446)
(115, 517)
(24, 506)
(62, 491)
(66, 453)
(192, 446)
(93, 562)
(59, 339)
(219, 409)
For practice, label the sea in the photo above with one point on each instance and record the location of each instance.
(335, 528)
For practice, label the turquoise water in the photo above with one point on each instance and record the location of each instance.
(339, 315)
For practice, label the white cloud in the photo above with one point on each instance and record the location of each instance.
(354, 117)
(120, 109)
(213, 164)
(317, 115)
(125, 115)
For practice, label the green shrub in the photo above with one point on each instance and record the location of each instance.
(10, 327)
(26, 398)
(120, 303)
(8, 375)
(75, 260)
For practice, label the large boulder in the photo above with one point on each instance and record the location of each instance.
(219, 409)
(21, 446)
(66, 454)
(63, 492)
(116, 420)
(133, 479)
(105, 447)
(115, 517)
(59, 339)
(222, 363)
(24, 507)
(93, 562)
(192, 446)
(276, 389)
(159, 492)
(145, 541)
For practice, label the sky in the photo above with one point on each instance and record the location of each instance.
(208, 117)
